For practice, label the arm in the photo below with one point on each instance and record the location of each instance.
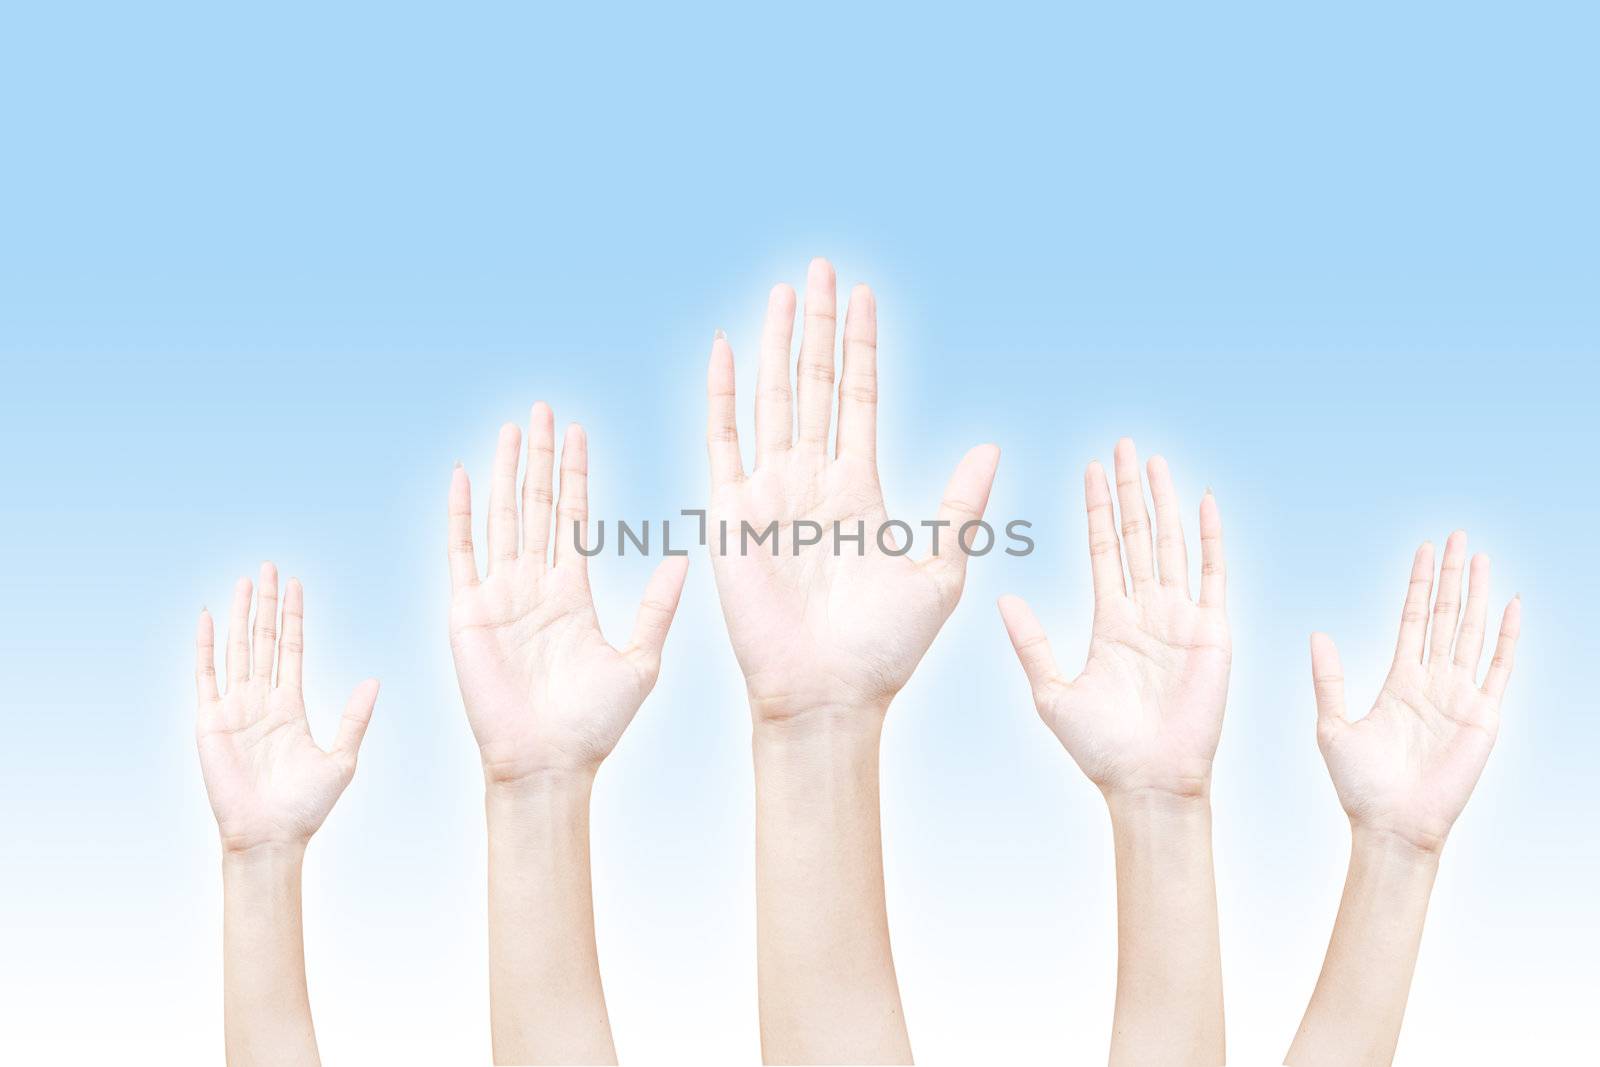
(1403, 772)
(547, 1003)
(826, 634)
(271, 787)
(548, 699)
(825, 971)
(266, 1010)
(1143, 720)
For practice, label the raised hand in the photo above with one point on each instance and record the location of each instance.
(1145, 714)
(543, 688)
(269, 781)
(827, 633)
(271, 787)
(1142, 720)
(829, 627)
(1403, 772)
(548, 699)
(1408, 766)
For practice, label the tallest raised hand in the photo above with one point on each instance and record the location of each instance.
(828, 621)
(837, 626)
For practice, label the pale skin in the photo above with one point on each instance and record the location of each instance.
(1403, 773)
(825, 639)
(548, 698)
(1142, 720)
(271, 786)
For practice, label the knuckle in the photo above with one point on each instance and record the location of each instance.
(859, 391)
(1104, 546)
(957, 504)
(817, 371)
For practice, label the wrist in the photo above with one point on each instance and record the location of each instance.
(1394, 846)
(779, 718)
(1135, 807)
(539, 799)
(538, 784)
(262, 858)
(826, 745)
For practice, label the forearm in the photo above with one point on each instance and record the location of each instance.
(1169, 959)
(546, 1000)
(1355, 1012)
(827, 985)
(266, 1011)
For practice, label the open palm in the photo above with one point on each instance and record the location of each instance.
(542, 687)
(1146, 712)
(268, 780)
(1408, 766)
(841, 621)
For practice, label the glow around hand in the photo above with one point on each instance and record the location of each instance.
(827, 629)
(543, 689)
(1408, 766)
(269, 782)
(1145, 715)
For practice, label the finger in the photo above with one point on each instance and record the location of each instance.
(858, 383)
(205, 660)
(1135, 518)
(722, 424)
(572, 511)
(1414, 616)
(292, 646)
(814, 372)
(1469, 644)
(1172, 554)
(1327, 678)
(656, 611)
(1213, 561)
(537, 498)
(1031, 643)
(353, 723)
(965, 498)
(264, 644)
(503, 498)
(1105, 553)
(463, 568)
(774, 400)
(1505, 650)
(1447, 608)
(239, 634)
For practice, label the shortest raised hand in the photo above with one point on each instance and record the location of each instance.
(1407, 767)
(268, 780)
(1403, 772)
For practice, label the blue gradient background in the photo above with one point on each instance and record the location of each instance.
(265, 275)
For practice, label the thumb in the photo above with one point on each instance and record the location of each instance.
(656, 611)
(353, 724)
(1031, 643)
(1327, 678)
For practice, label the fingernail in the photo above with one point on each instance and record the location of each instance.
(719, 336)
(458, 464)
